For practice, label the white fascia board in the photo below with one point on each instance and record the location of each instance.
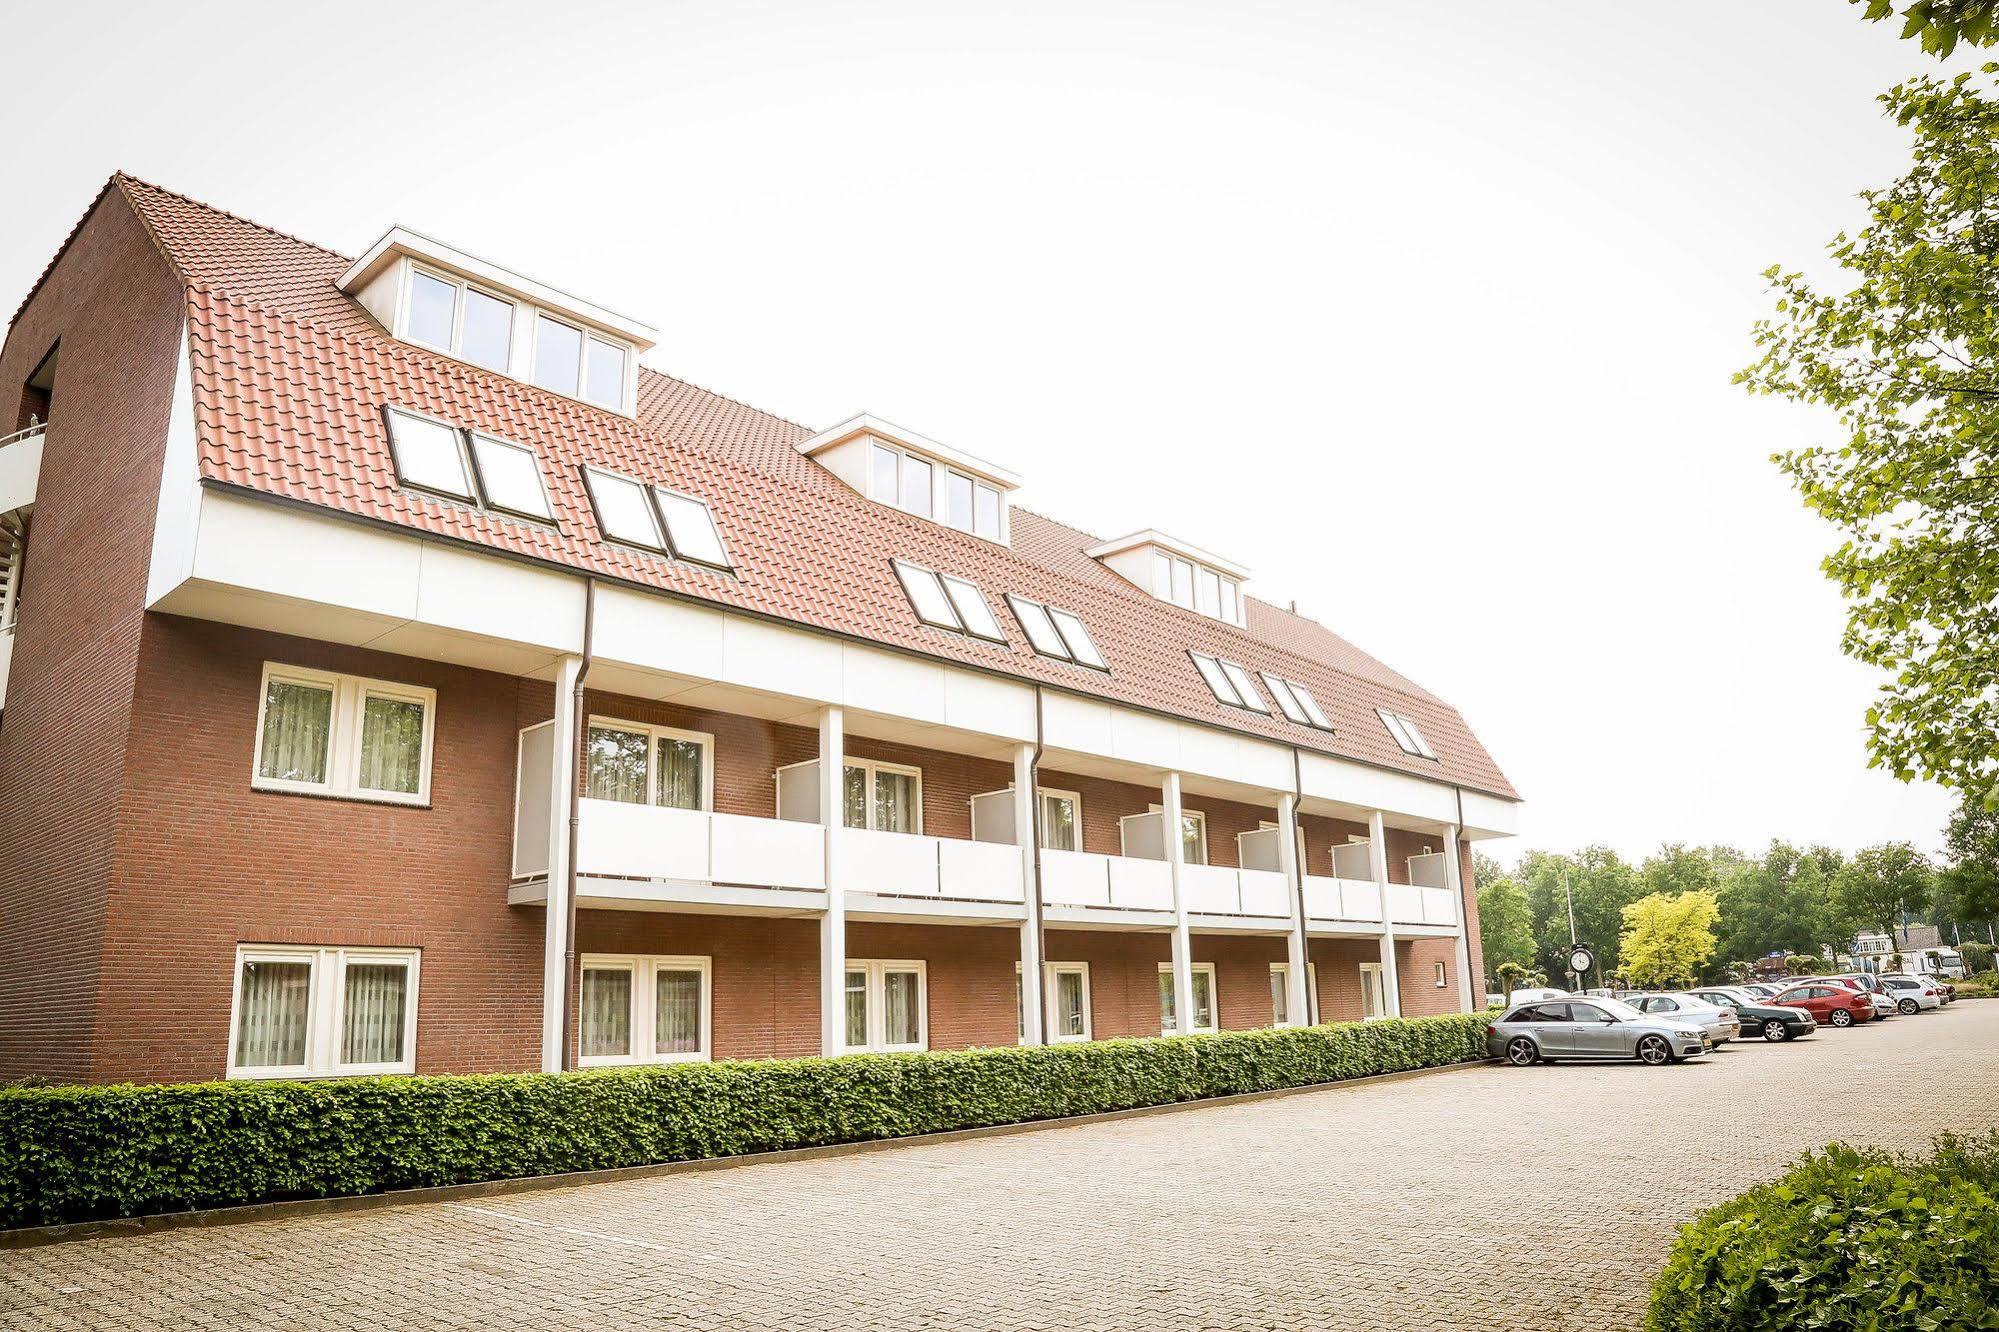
(177, 516)
(1488, 816)
(1152, 536)
(398, 241)
(865, 424)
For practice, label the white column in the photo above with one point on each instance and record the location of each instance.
(1183, 951)
(1297, 990)
(1377, 861)
(561, 780)
(832, 925)
(1033, 990)
(1454, 880)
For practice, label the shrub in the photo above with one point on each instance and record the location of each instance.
(1977, 956)
(76, 1153)
(1849, 1238)
(1984, 985)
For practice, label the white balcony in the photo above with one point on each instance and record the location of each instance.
(616, 839)
(914, 865)
(1216, 890)
(1341, 899)
(6, 660)
(1087, 879)
(20, 467)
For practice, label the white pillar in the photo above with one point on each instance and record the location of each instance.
(1454, 880)
(1377, 860)
(1183, 944)
(1298, 996)
(833, 924)
(1033, 990)
(561, 781)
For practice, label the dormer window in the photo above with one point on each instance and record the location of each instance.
(1178, 572)
(430, 294)
(904, 470)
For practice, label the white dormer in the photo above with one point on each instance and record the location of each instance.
(1177, 571)
(918, 475)
(426, 292)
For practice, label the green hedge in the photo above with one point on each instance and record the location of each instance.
(77, 1153)
(1847, 1239)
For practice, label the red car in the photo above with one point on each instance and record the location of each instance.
(1832, 1004)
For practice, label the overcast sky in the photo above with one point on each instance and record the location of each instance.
(1426, 313)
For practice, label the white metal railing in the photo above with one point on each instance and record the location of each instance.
(20, 468)
(34, 428)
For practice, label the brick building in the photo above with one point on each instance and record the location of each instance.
(395, 676)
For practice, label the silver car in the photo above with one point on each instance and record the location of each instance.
(1721, 1023)
(1551, 1029)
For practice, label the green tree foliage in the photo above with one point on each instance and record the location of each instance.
(1940, 24)
(1505, 929)
(1967, 890)
(1907, 360)
(1668, 938)
(1781, 904)
(1603, 885)
(1881, 883)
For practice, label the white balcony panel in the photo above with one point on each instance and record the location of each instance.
(641, 841)
(1360, 901)
(767, 852)
(6, 661)
(1141, 885)
(981, 871)
(1427, 871)
(1210, 890)
(1437, 907)
(20, 469)
(891, 864)
(1322, 898)
(1264, 893)
(1405, 904)
(1075, 878)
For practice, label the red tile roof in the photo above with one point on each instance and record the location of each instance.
(290, 376)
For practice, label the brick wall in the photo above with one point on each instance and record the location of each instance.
(117, 312)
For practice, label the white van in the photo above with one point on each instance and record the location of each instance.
(1945, 962)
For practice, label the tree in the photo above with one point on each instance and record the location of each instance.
(1967, 891)
(1512, 976)
(1504, 928)
(1941, 24)
(1882, 882)
(1667, 938)
(1907, 361)
(1799, 964)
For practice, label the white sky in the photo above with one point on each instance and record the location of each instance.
(1425, 312)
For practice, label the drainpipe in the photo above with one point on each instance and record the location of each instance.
(1040, 907)
(575, 820)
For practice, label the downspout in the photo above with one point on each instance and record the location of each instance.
(1034, 830)
(1298, 902)
(580, 757)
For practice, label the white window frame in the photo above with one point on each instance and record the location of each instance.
(871, 767)
(645, 969)
(877, 970)
(461, 285)
(1031, 613)
(1443, 978)
(623, 406)
(1380, 982)
(941, 473)
(467, 468)
(654, 734)
(1406, 734)
(326, 997)
(1281, 972)
(1239, 679)
(1050, 974)
(1200, 818)
(1214, 997)
(1229, 607)
(472, 438)
(1075, 799)
(343, 740)
(666, 528)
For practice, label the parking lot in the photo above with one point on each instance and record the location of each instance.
(1477, 1197)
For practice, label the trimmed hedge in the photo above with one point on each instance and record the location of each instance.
(80, 1153)
(1849, 1238)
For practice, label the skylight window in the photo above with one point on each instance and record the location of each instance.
(948, 601)
(623, 511)
(691, 530)
(1311, 706)
(1297, 702)
(1243, 685)
(1081, 647)
(430, 455)
(1039, 628)
(656, 518)
(1229, 682)
(973, 609)
(511, 476)
(1406, 734)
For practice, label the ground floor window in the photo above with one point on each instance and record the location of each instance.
(1373, 991)
(308, 1012)
(1204, 997)
(887, 1007)
(642, 1009)
(1068, 1001)
(1280, 992)
(1441, 980)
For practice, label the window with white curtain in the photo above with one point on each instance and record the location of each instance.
(1203, 981)
(332, 734)
(1061, 820)
(640, 764)
(887, 1006)
(643, 1009)
(1280, 992)
(313, 1012)
(1193, 835)
(887, 797)
(1068, 1001)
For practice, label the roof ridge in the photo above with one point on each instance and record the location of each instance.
(127, 179)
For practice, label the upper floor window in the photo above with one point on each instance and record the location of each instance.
(1056, 633)
(578, 364)
(1184, 582)
(327, 734)
(933, 490)
(1406, 735)
(649, 765)
(468, 465)
(459, 318)
(301, 1012)
(656, 519)
(887, 797)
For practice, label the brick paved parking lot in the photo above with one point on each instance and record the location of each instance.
(1481, 1197)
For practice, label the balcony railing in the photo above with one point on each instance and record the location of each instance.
(914, 865)
(1086, 878)
(621, 840)
(20, 467)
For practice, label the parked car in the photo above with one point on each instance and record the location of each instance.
(1763, 989)
(1721, 1024)
(1829, 1004)
(1758, 1016)
(1551, 1029)
(1945, 990)
(1527, 994)
(1912, 995)
(1862, 985)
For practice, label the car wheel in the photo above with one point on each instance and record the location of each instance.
(1776, 1032)
(1908, 1006)
(1655, 1051)
(1841, 1018)
(1520, 1052)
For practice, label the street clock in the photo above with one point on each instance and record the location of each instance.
(1581, 959)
